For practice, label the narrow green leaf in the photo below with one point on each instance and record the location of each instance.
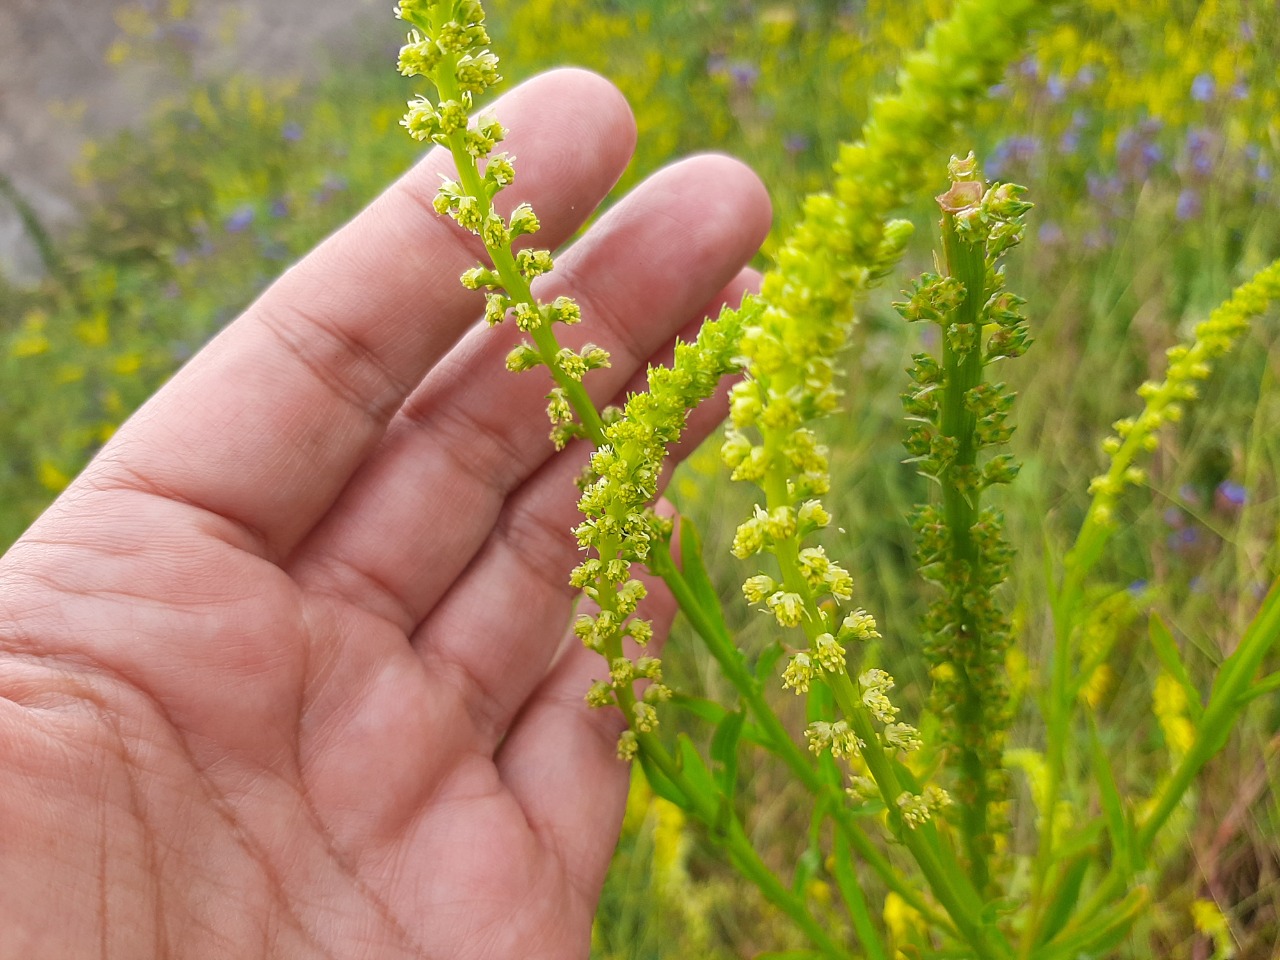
(695, 768)
(1268, 684)
(1167, 651)
(1259, 637)
(1220, 713)
(1081, 840)
(1106, 930)
(724, 751)
(768, 659)
(1236, 671)
(1065, 897)
(851, 891)
(1118, 823)
(715, 714)
(695, 572)
(661, 785)
(790, 955)
(701, 708)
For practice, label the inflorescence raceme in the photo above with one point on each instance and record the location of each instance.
(1188, 363)
(958, 419)
(449, 47)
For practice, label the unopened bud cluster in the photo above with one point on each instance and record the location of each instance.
(957, 419)
(974, 334)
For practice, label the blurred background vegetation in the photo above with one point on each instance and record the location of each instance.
(1149, 136)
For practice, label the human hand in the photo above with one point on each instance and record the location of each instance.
(284, 673)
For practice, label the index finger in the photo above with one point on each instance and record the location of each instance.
(265, 425)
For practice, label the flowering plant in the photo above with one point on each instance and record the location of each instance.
(916, 809)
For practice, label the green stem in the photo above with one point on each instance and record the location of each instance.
(1212, 339)
(1066, 606)
(708, 810)
(967, 263)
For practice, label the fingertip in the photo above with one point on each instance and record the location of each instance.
(600, 109)
(720, 204)
(741, 195)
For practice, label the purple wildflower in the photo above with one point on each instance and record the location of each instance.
(744, 74)
(240, 220)
(1049, 234)
(1231, 494)
(1099, 238)
(1028, 68)
(1012, 152)
(1189, 205)
(1203, 88)
(1069, 142)
(332, 184)
(1200, 150)
(796, 143)
(1103, 191)
(1137, 152)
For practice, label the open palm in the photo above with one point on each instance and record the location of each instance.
(284, 672)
